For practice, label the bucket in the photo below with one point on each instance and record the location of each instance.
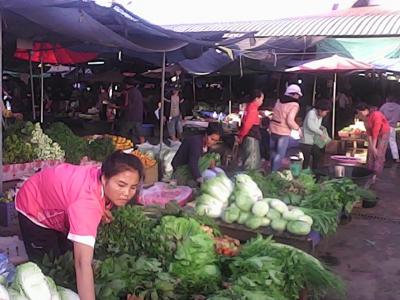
(296, 165)
(359, 175)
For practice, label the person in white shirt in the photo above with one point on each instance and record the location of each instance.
(391, 110)
(311, 130)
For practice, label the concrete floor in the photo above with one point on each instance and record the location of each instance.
(364, 252)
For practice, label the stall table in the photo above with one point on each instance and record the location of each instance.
(306, 243)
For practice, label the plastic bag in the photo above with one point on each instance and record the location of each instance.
(7, 269)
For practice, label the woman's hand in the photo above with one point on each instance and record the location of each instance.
(107, 217)
(83, 256)
(374, 152)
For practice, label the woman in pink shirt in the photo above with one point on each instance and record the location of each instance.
(61, 207)
(378, 131)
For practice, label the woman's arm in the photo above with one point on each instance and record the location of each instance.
(84, 273)
(290, 120)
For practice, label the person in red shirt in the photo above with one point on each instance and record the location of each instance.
(378, 130)
(249, 135)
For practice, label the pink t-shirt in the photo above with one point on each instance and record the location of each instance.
(66, 198)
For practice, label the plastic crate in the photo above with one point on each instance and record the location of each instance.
(8, 214)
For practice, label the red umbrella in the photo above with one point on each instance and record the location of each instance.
(53, 54)
(333, 64)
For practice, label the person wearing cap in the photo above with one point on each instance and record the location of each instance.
(312, 130)
(131, 119)
(283, 124)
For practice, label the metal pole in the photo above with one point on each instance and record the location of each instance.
(1, 106)
(194, 88)
(314, 90)
(32, 88)
(162, 103)
(334, 105)
(230, 94)
(41, 89)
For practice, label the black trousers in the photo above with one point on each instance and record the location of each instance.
(311, 151)
(39, 241)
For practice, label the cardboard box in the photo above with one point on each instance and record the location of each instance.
(150, 175)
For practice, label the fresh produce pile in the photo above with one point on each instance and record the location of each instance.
(26, 142)
(243, 203)
(31, 284)
(74, 146)
(120, 142)
(149, 255)
(324, 202)
(99, 149)
(146, 159)
(183, 173)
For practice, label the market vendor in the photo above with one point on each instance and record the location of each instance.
(378, 131)
(249, 135)
(61, 208)
(193, 148)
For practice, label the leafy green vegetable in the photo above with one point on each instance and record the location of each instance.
(74, 146)
(99, 149)
(324, 221)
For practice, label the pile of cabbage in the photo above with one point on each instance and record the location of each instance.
(242, 202)
(31, 284)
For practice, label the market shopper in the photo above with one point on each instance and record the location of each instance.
(312, 131)
(283, 124)
(173, 114)
(391, 110)
(378, 131)
(131, 119)
(61, 208)
(249, 135)
(193, 148)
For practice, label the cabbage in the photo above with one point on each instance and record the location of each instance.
(265, 221)
(292, 215)
(299, 227)
(53, 288)
(273, 214)
(278, 205)
(243, 200)
(14, 295)
(3, 280)
(279, 225)
(30, 282)
(231, 214)
(306, 219)
(243, 216)
(201, 209)
(215, 187)
(214, 209)
(67, 294)
(254, 222)
(226, 182)
(3, 293)
(260, 209)
(245, 183)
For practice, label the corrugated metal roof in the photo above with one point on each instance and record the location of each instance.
(361, 21)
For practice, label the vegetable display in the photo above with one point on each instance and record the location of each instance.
(146, 160)
(31, 284)
(99, 149)
(74, 146)
(120, 142)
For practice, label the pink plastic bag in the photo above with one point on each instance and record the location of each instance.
(161, 193)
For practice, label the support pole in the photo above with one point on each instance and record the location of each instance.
(194, 88)
(230, 94)
(314, 90)
(334, 105)
(41, 88)
(32, 87)
(1, 106)
(162, 103)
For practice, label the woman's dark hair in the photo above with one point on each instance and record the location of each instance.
(118, 162)
(323, 105)
(214, 128)
(255, 94)
(362, 106)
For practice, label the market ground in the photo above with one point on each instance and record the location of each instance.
(364, 252)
